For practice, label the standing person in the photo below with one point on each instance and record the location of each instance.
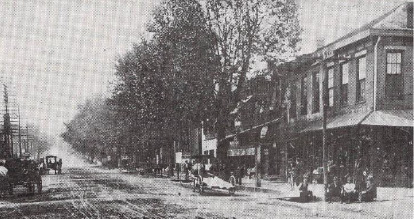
(190, 167)
(241, 174)
(42, 166)
(186, 170)
(177, 167)
(292, 176)
(59, 166)
(202, 168)
(299, 171)
(232, 179)
(3, 178)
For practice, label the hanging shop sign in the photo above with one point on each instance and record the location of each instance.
(241, 152)
(263, 132)
(235, 143)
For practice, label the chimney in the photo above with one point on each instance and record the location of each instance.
(320, 43)
(409, 15)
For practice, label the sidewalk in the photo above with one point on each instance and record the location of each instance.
(282, 189)
(390, 203)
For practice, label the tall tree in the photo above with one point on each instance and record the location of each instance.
(248, 32)
(92, 132)
(189, 62)
(166, 84)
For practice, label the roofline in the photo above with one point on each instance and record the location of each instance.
(407, 32)
(360, 33)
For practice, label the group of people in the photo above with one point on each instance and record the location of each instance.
(345, 193)
(237, 178)
(349, 191)
(359, 186)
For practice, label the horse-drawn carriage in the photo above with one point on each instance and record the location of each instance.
(205, 181)
(52, 163)
(22, 172)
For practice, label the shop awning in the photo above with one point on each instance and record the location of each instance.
(401, 118)
(346, 120)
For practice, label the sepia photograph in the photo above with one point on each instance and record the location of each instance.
(206, 109)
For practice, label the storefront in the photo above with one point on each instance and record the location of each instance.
(380, 143)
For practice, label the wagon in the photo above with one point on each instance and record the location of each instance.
(127, 165)
(25, 173)
(212, 183)
(204, 181)
(52, 163)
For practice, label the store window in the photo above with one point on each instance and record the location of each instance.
(316, 92)
(303, 96)
(331, 87)
(394, 80)
(361, 75)
(344, 83)
(292, 109)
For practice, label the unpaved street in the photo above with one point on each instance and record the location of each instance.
(98, 193)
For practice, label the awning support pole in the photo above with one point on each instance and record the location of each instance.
(325, 99)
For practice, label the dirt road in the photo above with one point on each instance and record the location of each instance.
(98, 193)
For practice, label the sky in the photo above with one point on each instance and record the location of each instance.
(54, 54)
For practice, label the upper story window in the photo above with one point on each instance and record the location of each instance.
(331, 87)
(394, 79)
(361, 75)
(303, 96)
(344, 83)
(316, 93)
(292, 100)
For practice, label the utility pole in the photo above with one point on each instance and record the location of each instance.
(20, 134)
(287, 131)
(7, 132)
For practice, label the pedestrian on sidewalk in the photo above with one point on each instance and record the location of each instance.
(241, 174)
(292, 176)
(59, 166)
(299, 171)
(232, 179)
(305, 194)
(177, 168)
(4, 182)
(186, 170)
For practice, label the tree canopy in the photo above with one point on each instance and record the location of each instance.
(192, 69)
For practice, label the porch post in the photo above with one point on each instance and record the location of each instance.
(258, 165)
(325, 100)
